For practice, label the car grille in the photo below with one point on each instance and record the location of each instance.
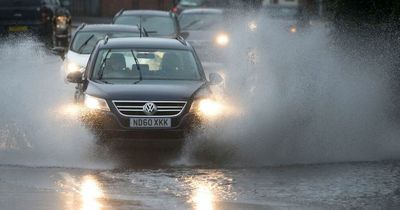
(164, 108)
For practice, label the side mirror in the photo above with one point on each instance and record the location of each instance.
(65, 3)
(215, 79)
(184, 34)
(75, 77)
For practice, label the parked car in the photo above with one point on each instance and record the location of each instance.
(135, 86)
(45, 17)
(85, 39)
(156, 23)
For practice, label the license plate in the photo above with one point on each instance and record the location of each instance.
(150, 123)
(17, 28)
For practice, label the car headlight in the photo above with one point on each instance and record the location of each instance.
(222, 39)
(61, 22)
(293, 29)
(207, 108)
(95, 103)
(73, 67)
(253, 26)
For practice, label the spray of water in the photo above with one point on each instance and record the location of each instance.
(39, 125)
(301, 100)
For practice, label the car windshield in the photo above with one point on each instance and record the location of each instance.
(191, 2)
(154, 25)
(131, 65)
(200, 21)
(281, 12)
(9, 3)
(84, 42)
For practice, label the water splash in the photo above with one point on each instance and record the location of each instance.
(303, 100)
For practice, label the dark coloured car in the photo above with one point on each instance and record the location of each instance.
(156, 23)
(46, 17)
(206, 32)
(290, 18)
(153, 86)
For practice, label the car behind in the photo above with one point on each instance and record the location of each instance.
(156, 23)
(206, 32)
(44, 17)
(85, 39)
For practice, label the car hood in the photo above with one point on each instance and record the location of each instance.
(195, 36)
(146, 90)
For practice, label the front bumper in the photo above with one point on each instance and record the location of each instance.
(38, 27)
(109, 124)
(21, 26)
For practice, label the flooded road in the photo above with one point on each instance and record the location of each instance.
(48, 160)
(331, 186)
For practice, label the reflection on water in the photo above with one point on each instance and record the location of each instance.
(203, 197)
(83, 194)
(91, 193)
(209, 188)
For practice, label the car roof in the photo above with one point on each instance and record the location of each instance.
(109, 28)
(144, 42)
(145, 13)
(203, 10)
(282, 6)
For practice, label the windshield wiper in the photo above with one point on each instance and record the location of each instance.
(103, 65)
(85, 43)
(105, 82)
(138, 68)
(190, 24)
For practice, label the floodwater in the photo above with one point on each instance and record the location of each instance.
(329, 186)
(48, 160)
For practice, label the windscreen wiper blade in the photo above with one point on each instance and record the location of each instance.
(138, 68)
(103, 65)
(85, 43)
(190, 24)
(105, 82)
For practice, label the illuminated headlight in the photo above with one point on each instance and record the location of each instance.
(61, 22)
(207, 108)
(222, 39)
(73, 67)
(95, 103)
(252, 26)
(293, 29)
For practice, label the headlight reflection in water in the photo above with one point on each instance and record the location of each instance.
(90, 192)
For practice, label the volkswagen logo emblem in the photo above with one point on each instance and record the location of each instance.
(149, 108)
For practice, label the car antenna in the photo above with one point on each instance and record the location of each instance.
(119, 14)
(81, 26)
(181, 40)
(106, 39)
